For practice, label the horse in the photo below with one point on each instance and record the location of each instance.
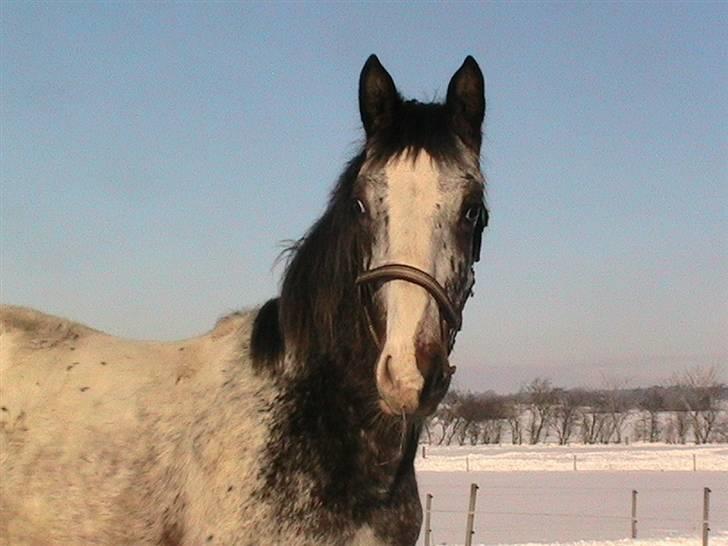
(292, 423)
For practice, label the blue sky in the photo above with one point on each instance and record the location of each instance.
(154, 156)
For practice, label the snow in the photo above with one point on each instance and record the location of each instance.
(685, 541)
(561, 458)
(532, 495)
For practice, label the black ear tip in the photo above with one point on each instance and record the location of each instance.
(471, 64)
(372, 60)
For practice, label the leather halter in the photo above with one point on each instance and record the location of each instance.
(450, 312)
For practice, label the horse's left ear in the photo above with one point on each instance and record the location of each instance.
(466, 103)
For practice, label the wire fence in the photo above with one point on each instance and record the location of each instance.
(636, 460)
(482, 522)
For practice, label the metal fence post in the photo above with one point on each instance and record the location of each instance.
(706, 515)
(428, 512)
(471, 515)
(574, 462)
(634, 513)
(424, 451)
(695, 463)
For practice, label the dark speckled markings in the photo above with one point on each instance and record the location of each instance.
(171, 536)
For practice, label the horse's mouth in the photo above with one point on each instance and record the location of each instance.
(386, 408)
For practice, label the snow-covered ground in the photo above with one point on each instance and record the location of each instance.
(685, 541)
(592, 457)
(532, 495)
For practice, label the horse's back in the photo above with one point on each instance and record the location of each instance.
(89, 421)
(53, 365)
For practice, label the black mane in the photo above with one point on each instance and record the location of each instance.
(320, 305)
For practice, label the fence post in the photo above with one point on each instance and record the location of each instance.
(634, 513)
(695, 463)
(706, 515)
(424, 452)
(471, 515)
(574, 462)
(428, 511)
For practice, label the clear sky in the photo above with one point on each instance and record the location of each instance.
(154, 156)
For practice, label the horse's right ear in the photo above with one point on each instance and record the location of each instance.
(378, 97)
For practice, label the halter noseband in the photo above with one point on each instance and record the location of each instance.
(451, 313)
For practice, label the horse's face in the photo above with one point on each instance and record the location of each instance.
(423, 208)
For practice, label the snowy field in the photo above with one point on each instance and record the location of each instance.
(532, 495)
(561, 458)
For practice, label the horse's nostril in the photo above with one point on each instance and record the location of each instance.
(387, 376)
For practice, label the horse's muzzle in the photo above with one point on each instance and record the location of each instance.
(407, 383)
(420, 391)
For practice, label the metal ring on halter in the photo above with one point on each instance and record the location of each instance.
(451, 314)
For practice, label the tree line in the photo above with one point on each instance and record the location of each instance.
(691, 408)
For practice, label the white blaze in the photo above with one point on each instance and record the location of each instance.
(413, 192)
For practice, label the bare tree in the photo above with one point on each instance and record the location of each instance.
(480, 417)
(492, 431)
(446, 417)
(700, 389)
(720, 429)
(594, 417)
(616, 403)
(494, 413)
(540, 398)
(566, 413)
(678, 427)
(515, 410)
(470, 414)
(652, 402)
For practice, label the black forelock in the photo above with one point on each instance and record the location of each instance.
(417, 127)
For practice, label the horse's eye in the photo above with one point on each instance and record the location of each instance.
(359, 207)
(472, 214)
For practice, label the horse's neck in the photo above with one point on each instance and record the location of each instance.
(326, 421)
(332, 415)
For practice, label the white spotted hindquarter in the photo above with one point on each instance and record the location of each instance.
(109, 441)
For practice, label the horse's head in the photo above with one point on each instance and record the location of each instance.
(419, 197)
(383, 275)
